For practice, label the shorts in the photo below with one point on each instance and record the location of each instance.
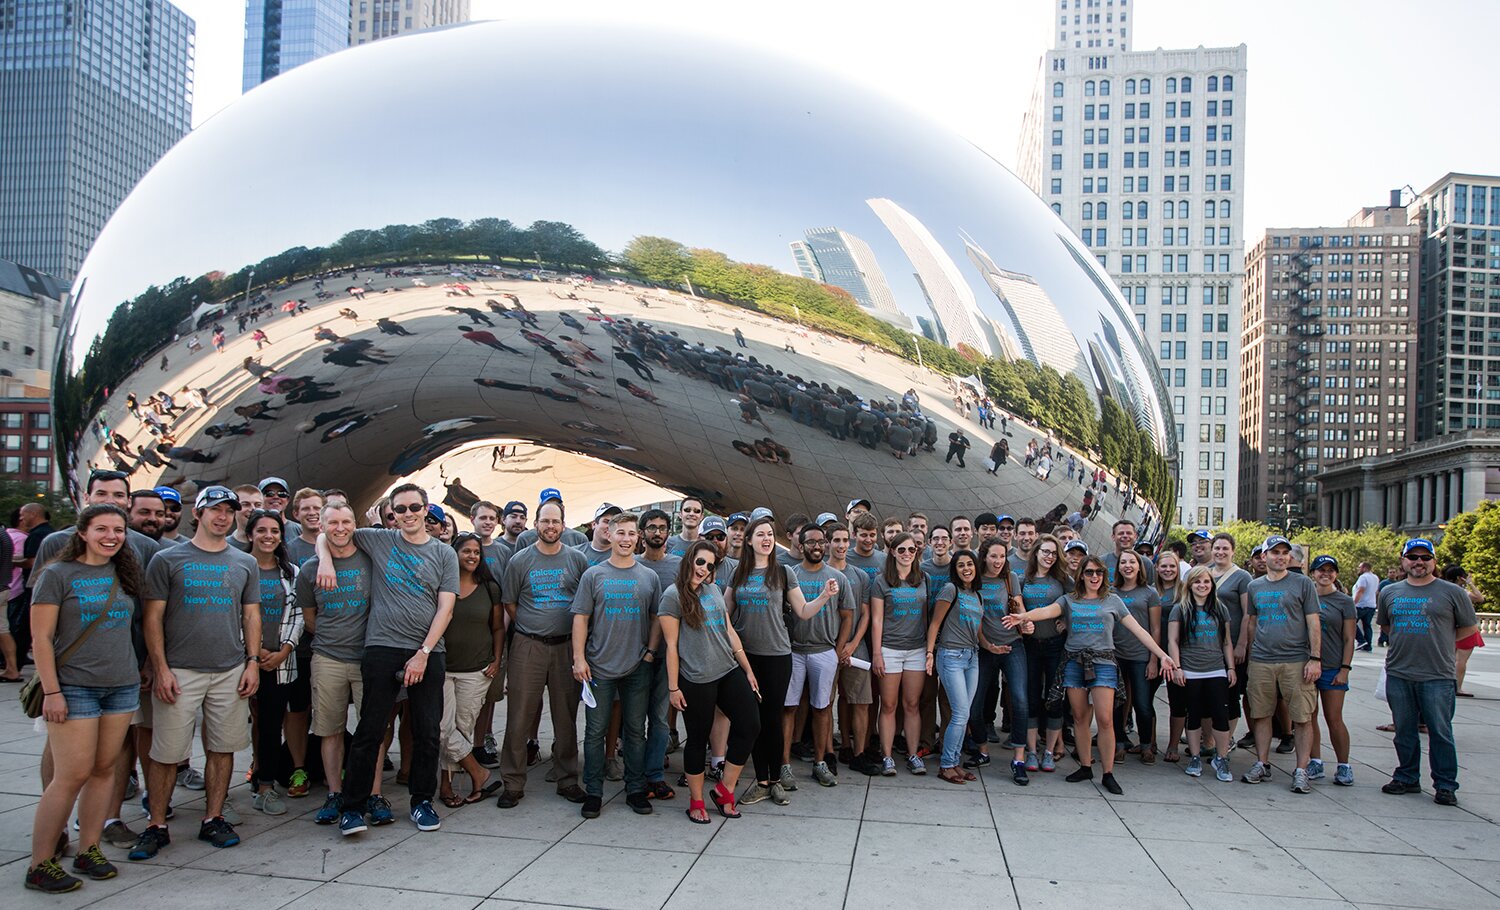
(1471, 642)
(897, 660)
(1107, 675)
(1325, 682)
(226, 716)
(816, 672)
(1267, 681)
(336, 684)
(855, 685)
(143, 711)
(86, 702)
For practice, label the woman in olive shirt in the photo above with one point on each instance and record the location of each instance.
(474, 640)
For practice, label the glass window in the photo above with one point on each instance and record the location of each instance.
(1145, 86)
(1187, 84)
(1228, 83)
(1057, 113)
(1057, 89)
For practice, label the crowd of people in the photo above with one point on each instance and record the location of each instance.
(848, 641)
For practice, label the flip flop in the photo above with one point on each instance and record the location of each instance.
(484, 792)
(956, 777)
(1460, 695)
(453, 800)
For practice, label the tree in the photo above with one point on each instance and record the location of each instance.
(14, 494)
(1454, 546)
(1377, 545)
(1482, 553)
(657, 259)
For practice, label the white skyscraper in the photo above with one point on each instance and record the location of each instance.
(948, 294)
(1142, 154)
(836, 257)
(1040, 333)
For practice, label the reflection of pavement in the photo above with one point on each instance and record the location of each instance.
(682, 441)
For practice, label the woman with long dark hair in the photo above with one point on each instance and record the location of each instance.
(1200, 642)
(1044, 581)
(1137, 665)
(898, 658)
(760, 592)
(474, 640)
(707, 669)
(1092, 613)
(1000, 652)
(281, 628)
(1170, 589)
(953, 642)
(93, 589)
(1338, 618)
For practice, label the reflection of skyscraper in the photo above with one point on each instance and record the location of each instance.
(807, 263)
(1040, 332)
(948, 294)
(282, 34)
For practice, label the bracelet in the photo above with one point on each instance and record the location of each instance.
(674, 690)
(1345, 667)
(738, 651)
(50, 694)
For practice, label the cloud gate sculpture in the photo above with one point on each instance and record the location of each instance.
(703, 264)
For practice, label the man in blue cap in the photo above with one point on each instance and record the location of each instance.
(1200, 542)
(570, 537)
(172, 501)
(1285, 636)
(1424, 617)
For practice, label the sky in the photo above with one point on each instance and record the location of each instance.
(1340, 107)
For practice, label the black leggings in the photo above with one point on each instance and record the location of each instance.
(270, 710)
(773, 673)
(731, 694)
(1207, 698)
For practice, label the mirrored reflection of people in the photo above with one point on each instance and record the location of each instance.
(388, 326)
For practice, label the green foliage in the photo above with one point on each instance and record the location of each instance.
(657, 259)
(1481, 549)
(1378, 545)
(14, 494)
(1454, 547)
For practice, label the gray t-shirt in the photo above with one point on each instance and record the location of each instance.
(205, 593)
(703, 654)
(273, 604)
(1039, 592)
(871, 565)
(904, 615)
(300, 551)
(81, 593)
(496, 554)
(1092, 621)
(1424, 620)
(858, 606)
(621, 604)
(1200, 646)
(142, 546)
(542, 588)
(1280, 609)
(405, 582)
(665, 568)
(593, 556)
(995, 600)
(821, 633)
(1148, 568)
(339, 615)
(1333, 609)
(1235, 583)
(961, 626)
(570, 538)
(937, 579)
(677, 545)
(758, 613)
(1138, 600)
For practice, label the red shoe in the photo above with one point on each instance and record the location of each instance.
(723, 797)
(696, 805)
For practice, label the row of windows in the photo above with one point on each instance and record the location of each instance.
(1212, 350)
(1211, 321)
(1174, 264)
(1171, 183)
(1174, 85)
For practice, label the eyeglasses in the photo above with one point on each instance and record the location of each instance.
(705, 564)
(906, 549)
(1420, 558)
(1093, 572)
(654, 527)
(174, 507)
(402, 510)
(1046, 552)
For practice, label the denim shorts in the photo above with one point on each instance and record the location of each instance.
(85, 702)
(1326, 684)
(1104, 675)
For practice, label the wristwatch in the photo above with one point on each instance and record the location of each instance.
(426, 650)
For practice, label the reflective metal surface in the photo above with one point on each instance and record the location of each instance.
(514, 231)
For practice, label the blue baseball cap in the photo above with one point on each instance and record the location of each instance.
(857, 502)
(1002, 519)
(435, 513)
(825, 518)
(1324, 560)
(548, 494)
(168, 494)
(1075, 544)
(515, 505)
(740, 517)
(1417, 543)
(1274, 541)
(1199, 534)
(760, 512)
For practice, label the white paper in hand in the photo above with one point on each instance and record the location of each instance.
(588, 696)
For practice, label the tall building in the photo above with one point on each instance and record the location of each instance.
(282, 34)
(838, 258)
(1037, 331)
(91, 95)
(1142, 154)
(1328, 363)
(30, 313)
(1458, 359)
(948, 294)
(370, 20)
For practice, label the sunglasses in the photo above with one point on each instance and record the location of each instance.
(272, 494)
(1094, 573)
(174, 507)
(402, 510)
(106, 475)
(906, 549)
(1418, 558)
(705, 563)
(715, 535)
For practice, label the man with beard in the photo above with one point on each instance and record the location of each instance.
(815, 661)
(172, 502)
(512, 523)
(856, 693)
(661, 717)
(148, 512)
(734, 529)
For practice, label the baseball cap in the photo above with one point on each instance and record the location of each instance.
(549, 493)
(274, 481)
(169, 495)
(607, 508)
(760, 512)
(856, 502)
(1274, 541)
(1257, 550)
(713, 523)
(212, 496)
(1075, 544)
(740, 517)
(1417, 543)
(515, 505)
(825, 518)
(1002, 519)
(1324, 560)
(1199, 534)
(1144, 546)
(435, 513)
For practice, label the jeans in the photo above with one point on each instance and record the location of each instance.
(1364, 634)
(656, 723)
(1013, 665)
(1431, 703)
(1133, 672)
(634, 690)
(380, 669)
(958, 668)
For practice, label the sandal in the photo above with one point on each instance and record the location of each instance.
(970, 776)
(697, 806)
(453, 800)
(952, 776)
(660, 790)
(724, 799)
(484, 792)
(1172, 756)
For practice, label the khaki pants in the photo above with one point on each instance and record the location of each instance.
(532, 668)
(463, 696)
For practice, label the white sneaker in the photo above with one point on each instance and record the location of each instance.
(269, 802)
(191, 778)
(824, 776)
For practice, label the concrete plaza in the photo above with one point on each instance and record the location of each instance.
(868, 843)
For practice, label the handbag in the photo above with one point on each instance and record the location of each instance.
(31, 693)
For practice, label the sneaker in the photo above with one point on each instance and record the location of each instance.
(218, 832)
(1221, 769)
(1442, 797)
(48, 876)
(824, 776)
(757, 792)
(614, 768)
(533, 752)
(297, 787)
(1287, 746)
(508, 799)
(118, 835)
(379, 809)
(1397, 788)
(802, 751)
(573, 794)
(149, 843)
(898, 745)
(1299, 781)
(639, 803)
(132, 786)
(591, 806)
(1257, 773)
(486, 758)
(351, 822)
(1246, 742)
(1194, 767)
(333, 807)
(915, 765)
(424, 817)
(1032, 764)
(229, 812)
(788, 781)
(1110, 784)
(93, 864)
(1018, 773)
(977, 760)
(190, 778)
(1049, 764)
(778, 794)
(1344, 776)
(1315, 769)
(146, 807)
(715, 771)
(269, 802)
(1083, 773)
(887, 767)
